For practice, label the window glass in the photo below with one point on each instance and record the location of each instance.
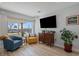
(13, 27)
(27, 26)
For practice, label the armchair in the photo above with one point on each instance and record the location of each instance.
(12, 43)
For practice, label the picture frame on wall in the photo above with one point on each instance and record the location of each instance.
(73, 20)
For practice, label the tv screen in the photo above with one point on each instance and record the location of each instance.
(48, 22)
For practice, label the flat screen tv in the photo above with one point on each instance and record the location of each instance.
(48, 22)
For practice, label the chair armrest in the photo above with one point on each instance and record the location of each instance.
(8, 40)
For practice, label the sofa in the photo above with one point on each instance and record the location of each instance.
(12, 43)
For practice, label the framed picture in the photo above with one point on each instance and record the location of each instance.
(73, 20)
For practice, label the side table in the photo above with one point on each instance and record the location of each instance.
(24, 40)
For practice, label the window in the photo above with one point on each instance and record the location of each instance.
(13, 27)
(21, 28)
(28, 27)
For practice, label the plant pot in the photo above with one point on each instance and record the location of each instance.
(68, 47)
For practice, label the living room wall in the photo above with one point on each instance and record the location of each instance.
(3, 25)
(61, 23)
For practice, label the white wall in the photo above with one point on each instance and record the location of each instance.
(3, 25)
(61, 23)
(37, 25)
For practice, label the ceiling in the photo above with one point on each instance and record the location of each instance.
(35, 8)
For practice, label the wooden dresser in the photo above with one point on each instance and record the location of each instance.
(47, 38)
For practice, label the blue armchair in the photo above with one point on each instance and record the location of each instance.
(12, 43)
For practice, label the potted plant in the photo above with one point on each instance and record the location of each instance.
(68, 37)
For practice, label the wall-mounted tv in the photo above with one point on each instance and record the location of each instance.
(48, 22)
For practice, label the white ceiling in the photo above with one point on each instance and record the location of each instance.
(32, 8)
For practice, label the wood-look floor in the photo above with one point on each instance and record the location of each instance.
(37, 50)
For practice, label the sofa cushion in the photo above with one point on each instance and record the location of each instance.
(16, 41)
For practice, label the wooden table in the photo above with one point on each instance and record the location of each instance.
(24, 40)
